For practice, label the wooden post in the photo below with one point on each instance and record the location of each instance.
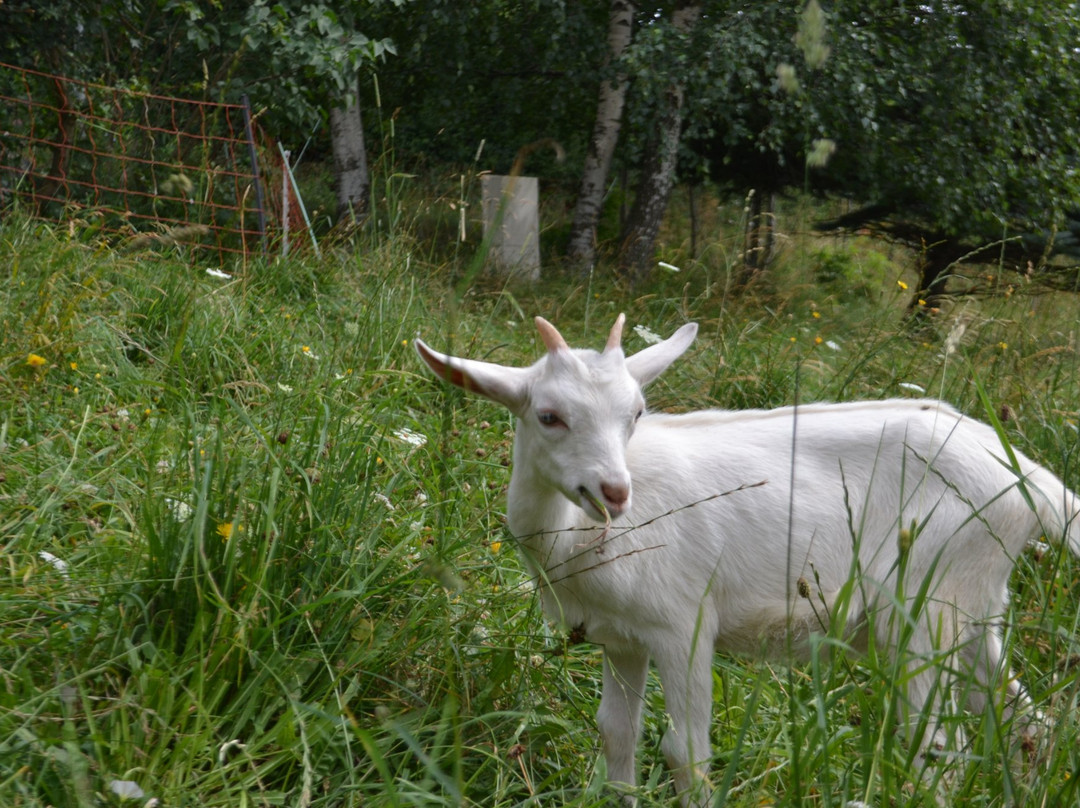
(260, 206)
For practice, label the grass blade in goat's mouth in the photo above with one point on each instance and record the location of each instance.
(600, 506)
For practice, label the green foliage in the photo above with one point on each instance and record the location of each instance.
(263, 586)
(293, 59)
(960, 113)
(497, 75)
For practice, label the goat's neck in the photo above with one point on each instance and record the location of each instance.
(536, 510)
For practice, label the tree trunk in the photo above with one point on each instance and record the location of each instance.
(352, 183)
(658, 174)
(933, 266)
(758, 236)
(609, 110)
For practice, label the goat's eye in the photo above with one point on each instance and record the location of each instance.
(548, 418)
(639, 414)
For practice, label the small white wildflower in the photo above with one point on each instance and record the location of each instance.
(1039, 547)
(416, 527)
(648, 334)
(352, 329)
(911, 386)
(831, 344)
(410, 436)
(123, 413)
(59, 564)
(163, 467)
(179, 509)
(227, 747)
(285, 388)
(385, 500)
(667, 266)
(126, 789)
(478, 637)
(217, 273)
(305, 350)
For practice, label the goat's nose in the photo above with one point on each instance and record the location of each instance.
(616, 494)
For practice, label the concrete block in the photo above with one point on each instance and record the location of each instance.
(515, 247)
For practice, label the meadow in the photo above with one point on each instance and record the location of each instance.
(253, 555)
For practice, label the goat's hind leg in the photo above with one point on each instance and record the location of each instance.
(993, 683)
(619, 715)
(922, 645)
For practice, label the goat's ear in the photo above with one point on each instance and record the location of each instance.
(505, 385)
(646, 365)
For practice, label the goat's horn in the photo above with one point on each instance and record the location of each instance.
(551, 336)
(614, 340)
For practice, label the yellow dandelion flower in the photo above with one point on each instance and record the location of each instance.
(74, 365)
(306, 349)
(496, 546)
(1003, 345)
(816, 315)
(792, 339)
(818, 340)
(75, 390)
(902, 285)
(225, 530)
(922, 302)
(35, 361)
(147, 412)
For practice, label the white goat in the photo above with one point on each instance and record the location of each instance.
(829, 505)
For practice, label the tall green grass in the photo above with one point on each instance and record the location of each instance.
(253, 556)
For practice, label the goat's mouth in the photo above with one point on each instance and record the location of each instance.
(597, 505)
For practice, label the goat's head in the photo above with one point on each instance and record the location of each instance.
(576, 409)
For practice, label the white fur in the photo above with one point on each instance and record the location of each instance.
(723, 543)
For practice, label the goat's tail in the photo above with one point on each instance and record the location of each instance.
(1057, 507)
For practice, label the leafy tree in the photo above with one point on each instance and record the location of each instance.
(488, 78)
(959, 122)
(954, 123)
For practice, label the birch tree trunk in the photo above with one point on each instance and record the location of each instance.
(609, 109)
(758, 236)
(658, 173)
(352, 183)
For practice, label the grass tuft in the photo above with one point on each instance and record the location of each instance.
(253, 556)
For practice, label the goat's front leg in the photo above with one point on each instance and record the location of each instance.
(619, 716)
(686, 674)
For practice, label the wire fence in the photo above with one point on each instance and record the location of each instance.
(141, 170)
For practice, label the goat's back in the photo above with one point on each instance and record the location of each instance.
(821, 493)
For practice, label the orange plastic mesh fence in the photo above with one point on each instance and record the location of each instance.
(139, 168)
